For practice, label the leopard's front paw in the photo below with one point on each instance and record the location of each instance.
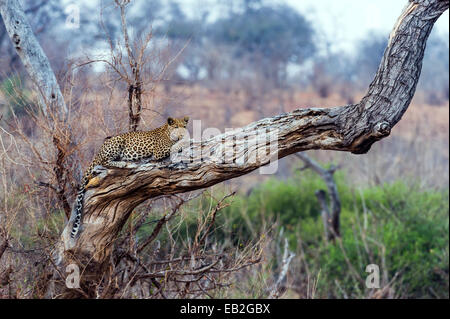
(93, 182)
(96, 176)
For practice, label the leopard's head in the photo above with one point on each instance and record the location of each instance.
(177, 127)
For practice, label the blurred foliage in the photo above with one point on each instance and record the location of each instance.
(278, 32)
(432, 80)
(396, 225)
(178, 26)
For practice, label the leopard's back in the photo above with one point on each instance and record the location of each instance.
(140, 144)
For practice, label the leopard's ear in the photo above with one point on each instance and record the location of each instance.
(170, 121)
(186, 119)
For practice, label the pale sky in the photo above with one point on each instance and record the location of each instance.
(346, 21)
(339, 23)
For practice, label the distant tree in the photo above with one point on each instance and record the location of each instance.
(176, 25)
(273, 36)
(369, 54)
(433, 81)
(436, 58)
(144, 13)
(179, 26)
(141, 15)
(335, 72)
(185, 35)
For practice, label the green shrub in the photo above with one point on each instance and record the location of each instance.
(405, 227)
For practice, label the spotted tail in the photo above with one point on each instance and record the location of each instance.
(78, 209)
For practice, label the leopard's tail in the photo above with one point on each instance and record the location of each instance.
(79, 202)
(78, 210)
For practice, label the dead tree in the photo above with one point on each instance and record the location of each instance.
(134, 83)
(330, 215)
(50, 98)
(33, 57)
(351, 128)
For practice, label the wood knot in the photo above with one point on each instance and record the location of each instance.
(16, 40)
(363, 143)
(97, 175)
(381, 129)
(93, 182)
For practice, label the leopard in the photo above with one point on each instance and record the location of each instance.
(117, 151)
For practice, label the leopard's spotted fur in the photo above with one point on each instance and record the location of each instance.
(116, 151)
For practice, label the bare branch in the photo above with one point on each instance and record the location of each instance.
(286, 260)
(160, 224)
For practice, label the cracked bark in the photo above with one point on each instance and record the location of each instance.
(352, 128)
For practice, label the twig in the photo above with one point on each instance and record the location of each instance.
(160, 224)
(287, 257)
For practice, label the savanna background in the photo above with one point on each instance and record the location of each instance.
(229, 63)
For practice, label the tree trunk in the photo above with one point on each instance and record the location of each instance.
(353, 128)
(33, 58)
